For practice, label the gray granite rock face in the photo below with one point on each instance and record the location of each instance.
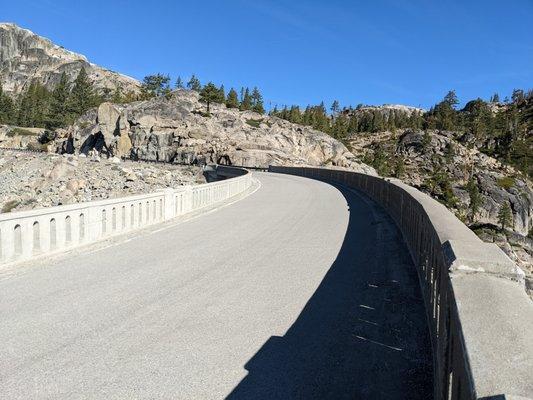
(178, 130)
(25, 56)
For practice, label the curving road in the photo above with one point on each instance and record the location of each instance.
(299, 291)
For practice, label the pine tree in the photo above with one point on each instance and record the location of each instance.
(33, 106)
(221, 98)
(505, 216)
(399, 167)
(179, 83)
(246, 103)
(475, 198)
(58, 114)
(335, 107)
(209, 94)
(155, 85)
(82, 96)
(7, 108)
(257, 101)
(194, 84)
(232, 101)
(443, 115)
(293, 115)
(117, 96)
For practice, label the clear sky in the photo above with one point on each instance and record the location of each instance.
(301, 52)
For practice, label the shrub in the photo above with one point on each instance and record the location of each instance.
(506, 182)
(254, 122)
(8, 206)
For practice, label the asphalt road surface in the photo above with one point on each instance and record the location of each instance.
(299, 291)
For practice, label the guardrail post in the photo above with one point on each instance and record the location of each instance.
(170, 204)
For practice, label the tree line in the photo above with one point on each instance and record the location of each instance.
(40, 107)
(159, 85)
(499, 129)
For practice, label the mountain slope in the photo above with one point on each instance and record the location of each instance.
(25, 56)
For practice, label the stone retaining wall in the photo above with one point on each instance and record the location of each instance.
(479, 316)
(28, 234)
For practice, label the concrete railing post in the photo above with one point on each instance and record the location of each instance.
(169, 204)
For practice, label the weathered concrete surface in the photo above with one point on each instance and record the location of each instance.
(284, 294)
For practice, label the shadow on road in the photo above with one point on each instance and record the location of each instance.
(363, 333)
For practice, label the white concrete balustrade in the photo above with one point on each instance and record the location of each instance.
(28, 234)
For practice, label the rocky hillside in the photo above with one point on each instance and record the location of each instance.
(25, 56)
(434, 162)
(33, 180)
(177, 129)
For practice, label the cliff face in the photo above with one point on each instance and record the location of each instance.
(25, 56)
(178, 130)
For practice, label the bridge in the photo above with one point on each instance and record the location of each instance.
(299, 283)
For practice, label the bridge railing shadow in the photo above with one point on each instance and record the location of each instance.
(363, 333)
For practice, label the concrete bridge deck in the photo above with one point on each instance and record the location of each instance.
(300, 290)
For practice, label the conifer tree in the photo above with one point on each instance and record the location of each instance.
(7, 108)
(117, 96)
(505, 216)
(475, 198)
(155, 85)
(82, 96)
(232, 101)
(58, 113)
(221, 98)
(399, 167)
(335, 107)
(179, 83)
(33, 106)
(246, 103)
(294, 114)
(257, 101)
(194, 84)
(209, 94)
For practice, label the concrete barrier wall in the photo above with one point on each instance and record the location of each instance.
(28, 234)
(479, 316)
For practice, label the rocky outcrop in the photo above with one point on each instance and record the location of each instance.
(16, 137)
(426, 154)
(178, 130)
(25, 56)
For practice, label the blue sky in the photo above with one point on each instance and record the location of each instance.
(301, 52)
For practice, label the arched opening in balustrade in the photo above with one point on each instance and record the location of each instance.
(68, 229)
(147, 211)
(82, 226)
(36, 237)
(53, 233)
(113, 219)
(123, 217)
(104, 222)
(160, 208)
(140, 214)
(154, 211)
(132, 215)
(17, 233)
